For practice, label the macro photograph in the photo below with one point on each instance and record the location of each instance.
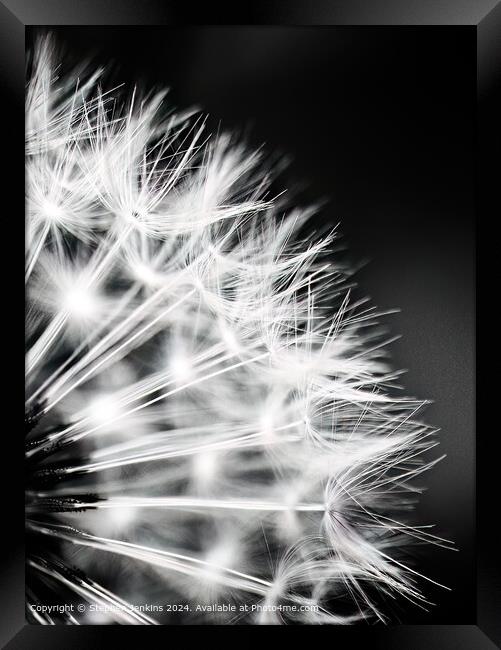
(250, 324)
(214, 419)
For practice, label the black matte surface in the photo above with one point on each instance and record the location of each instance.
(292, 12)
(405, 637)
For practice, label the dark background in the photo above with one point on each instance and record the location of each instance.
(381, 122)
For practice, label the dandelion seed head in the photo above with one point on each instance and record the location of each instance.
(210, 413)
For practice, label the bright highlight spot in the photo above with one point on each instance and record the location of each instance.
(80, 303)
(52, 211)
(104, 409)
(120, 518)
(204, 467)
(181, 367)
(267, 425)
(224, 555)
(145, 274)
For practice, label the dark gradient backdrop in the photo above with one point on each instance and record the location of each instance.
(381, 122)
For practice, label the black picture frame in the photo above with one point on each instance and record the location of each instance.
(483, 18)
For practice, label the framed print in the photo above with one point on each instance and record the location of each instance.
(249, 322)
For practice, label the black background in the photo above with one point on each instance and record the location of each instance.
(381, 122)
